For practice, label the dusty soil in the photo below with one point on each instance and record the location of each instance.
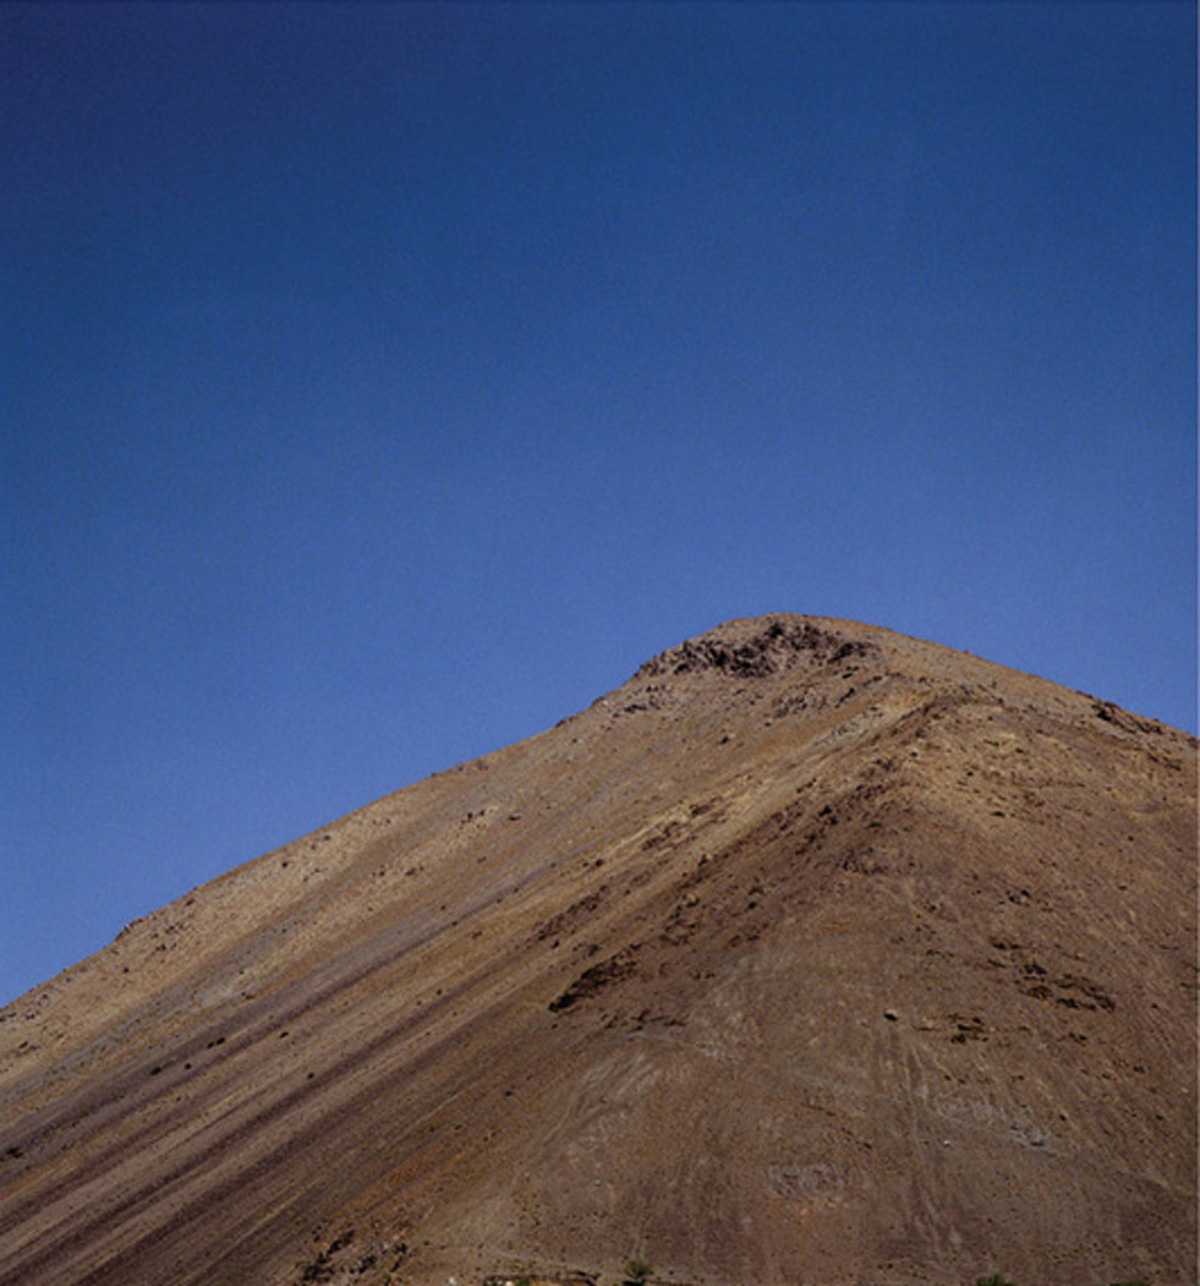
(811, 954)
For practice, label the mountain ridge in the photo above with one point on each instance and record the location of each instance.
(835, 907)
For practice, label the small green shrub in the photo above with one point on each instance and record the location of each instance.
(1141, 1281)
(996, 1279)
(637, 1271)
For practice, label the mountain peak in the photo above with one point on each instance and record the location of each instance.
(753, 647)
(811, 953)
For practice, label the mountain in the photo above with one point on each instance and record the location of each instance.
(812, 954)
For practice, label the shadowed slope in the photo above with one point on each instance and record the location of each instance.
(813, 953)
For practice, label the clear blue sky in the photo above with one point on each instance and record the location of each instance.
(383, 382)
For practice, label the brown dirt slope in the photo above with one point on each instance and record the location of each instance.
(813, 954)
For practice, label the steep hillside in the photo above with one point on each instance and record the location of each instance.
(811, 954)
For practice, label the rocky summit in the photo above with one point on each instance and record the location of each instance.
(813, 954)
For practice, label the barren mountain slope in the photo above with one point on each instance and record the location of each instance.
(812, 954)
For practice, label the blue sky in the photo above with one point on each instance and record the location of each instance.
(383, 382)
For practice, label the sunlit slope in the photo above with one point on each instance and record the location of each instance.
(811, 954)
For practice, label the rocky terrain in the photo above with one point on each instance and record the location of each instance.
(813, 954)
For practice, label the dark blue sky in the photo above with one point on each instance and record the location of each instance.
(383, 382)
